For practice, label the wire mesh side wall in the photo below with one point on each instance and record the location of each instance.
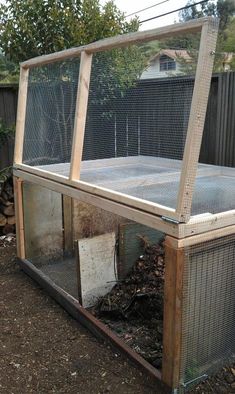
(217, 187)
(47, 245)
(113, 266)
(50, 112)
(137, 119)
(208, 320)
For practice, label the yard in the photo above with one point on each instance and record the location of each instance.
(43, 350)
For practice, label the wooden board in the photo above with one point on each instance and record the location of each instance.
(96, 267)
(21, 114)
(118, 41)
(172, 322)
(67, 204)
(197, 118)
(19, 214)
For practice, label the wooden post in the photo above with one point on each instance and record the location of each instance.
(172, 325)
(80, 115)
(67, 203)
(21, 113)
(197, 118)
(18, 196)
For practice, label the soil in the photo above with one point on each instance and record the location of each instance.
(133, 309)
(44, 350)
(222, 383)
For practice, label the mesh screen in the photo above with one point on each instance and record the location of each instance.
(208, 321)
(50, 113)
(216, 183)
(47, 227)
(138, 110)
(113, 266)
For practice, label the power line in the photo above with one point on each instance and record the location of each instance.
(147, 8)
(171, 12)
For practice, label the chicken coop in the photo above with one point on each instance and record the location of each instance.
(109, 188)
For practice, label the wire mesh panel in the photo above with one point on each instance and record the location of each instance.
(208, 321)
(138, 111)
(215, 187)
(50, 114)
(47, 236)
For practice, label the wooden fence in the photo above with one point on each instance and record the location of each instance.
(130, 115)
(8, 108)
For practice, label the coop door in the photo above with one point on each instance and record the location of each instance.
(96, 267)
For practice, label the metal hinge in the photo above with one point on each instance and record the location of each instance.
(170, 220)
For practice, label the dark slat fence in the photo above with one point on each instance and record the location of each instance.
(122, 131)
(8, 108)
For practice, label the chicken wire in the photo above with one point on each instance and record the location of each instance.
(137, 119)
(214, 187)
(50, 111)
(208, 318)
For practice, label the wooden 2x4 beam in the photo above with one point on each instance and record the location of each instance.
(118, 41)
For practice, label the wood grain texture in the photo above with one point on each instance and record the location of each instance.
(197, 118)
(106, 204)
(67, 204)
(172, 322)
(20, 239)
(118, 41)
(21, 113)
(80, 115)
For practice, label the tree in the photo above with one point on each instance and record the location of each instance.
(229, 42)
(224, 10)
(8, 71)
(31, 28)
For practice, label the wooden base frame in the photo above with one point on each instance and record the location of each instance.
(175, 260)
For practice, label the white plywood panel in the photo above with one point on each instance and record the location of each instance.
(96, 267)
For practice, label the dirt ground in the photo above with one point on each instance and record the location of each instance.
(44, 350)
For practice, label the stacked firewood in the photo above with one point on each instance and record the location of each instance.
(7, 208)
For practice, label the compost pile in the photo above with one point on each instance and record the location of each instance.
(134, 307)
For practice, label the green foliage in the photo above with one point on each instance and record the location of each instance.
(9, 71)
(225, 11)
(31, 28)
(5, 131)
(229, 40)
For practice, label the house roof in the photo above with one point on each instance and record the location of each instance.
(174, 54)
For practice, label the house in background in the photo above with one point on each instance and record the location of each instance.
(176, 62)
(166, 63)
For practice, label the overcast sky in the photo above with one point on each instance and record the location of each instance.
(129, 6)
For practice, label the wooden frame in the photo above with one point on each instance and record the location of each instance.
(181, 230)
(172, 324)
(206, 225)
(193, 26)
(178, 238)
(18, 197)
(208, 27)
(21, 114)
(197, 119)
(80, 115)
